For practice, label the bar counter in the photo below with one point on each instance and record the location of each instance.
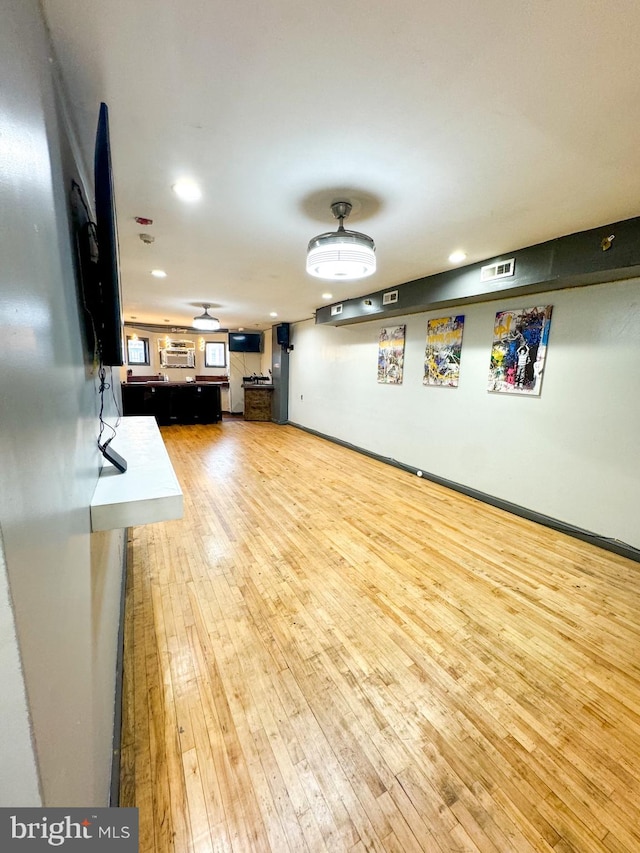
(257, 401)
(174, 402)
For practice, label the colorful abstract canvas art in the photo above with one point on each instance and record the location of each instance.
(443, 350)
(520, 339)
(391, 355)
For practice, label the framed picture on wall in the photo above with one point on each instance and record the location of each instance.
(391, 355)
(519, 350)
(443, 350)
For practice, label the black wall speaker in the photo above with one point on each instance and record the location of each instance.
(282, 334)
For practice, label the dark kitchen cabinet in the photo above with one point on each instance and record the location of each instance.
(173, 402)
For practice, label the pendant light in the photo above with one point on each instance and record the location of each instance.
(205, 322)
(341, 254)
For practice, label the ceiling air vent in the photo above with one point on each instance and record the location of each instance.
(499, 269)
(336, 309)
(390, 297)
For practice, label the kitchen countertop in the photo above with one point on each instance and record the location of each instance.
(162, 384)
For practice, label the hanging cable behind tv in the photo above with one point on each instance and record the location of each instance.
(108, 452)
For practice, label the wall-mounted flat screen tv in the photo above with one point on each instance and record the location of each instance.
(96, 245)
(99, 257)
(245, 341)
(108, 319)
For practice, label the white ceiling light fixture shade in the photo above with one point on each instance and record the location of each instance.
(457, 257)
(205, 322)
(341, 255)
(187, 190)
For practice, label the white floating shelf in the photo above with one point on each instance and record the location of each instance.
(148, 491)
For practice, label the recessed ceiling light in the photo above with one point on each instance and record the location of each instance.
(457, 257)
(187, 190)
(158, 273)
(241, 328)
(273, 314)
(327, 295)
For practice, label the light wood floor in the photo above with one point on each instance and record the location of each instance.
(329, 654)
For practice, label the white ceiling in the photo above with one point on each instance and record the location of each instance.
(486, 126)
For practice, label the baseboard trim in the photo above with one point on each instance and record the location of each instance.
(614, 545)
(114, 790)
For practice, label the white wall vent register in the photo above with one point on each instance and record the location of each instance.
(499, 269)
(336, 309)
(389, 297)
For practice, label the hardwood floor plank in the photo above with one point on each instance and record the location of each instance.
(328, 655)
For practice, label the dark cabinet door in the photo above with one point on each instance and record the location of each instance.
(138, 400)
(147, 400)
(132, 400)
(160, 404)
(173, 404)
(183, 404)
(207, 408)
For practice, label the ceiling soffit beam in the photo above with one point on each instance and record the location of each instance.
(608, 253)
(172, 328)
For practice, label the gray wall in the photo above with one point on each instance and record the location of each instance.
(280, 375)
(59, 609)
(571, 454)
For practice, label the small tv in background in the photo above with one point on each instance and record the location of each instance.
(245, 341)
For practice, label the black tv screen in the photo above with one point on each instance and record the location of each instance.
(107, 317)
(245, 341)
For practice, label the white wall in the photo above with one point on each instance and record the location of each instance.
(63, 583)
(177, 374)
(573, 453)
(242, 364)
(19, 775)
(265, 361)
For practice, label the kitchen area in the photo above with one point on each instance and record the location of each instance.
(180, 376)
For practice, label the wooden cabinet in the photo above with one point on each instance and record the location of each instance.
(173, 402)
(257, 402)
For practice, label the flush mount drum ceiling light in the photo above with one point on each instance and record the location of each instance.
(205, 321)
(341, 254)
